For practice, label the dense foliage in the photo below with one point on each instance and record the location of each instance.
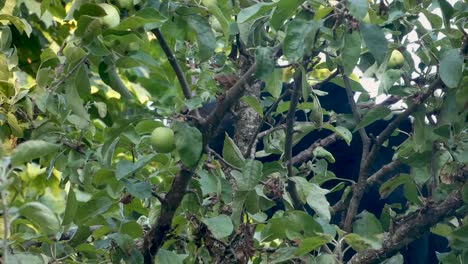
(82, 90)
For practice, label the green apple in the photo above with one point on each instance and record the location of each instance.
(162, 139)
(396, 60)
(112, 17)
(127, 4)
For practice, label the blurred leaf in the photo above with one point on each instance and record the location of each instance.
(284, 10)
(358, 8)
(232, 153)
(168, 257)
(451, 67)
(220, 226)
(70, 209)
(265, 62)
(205, 37)
(250, 176)
(141, 18)
(41, 216)
(373, 115)
(351, 51)
(32, 149)
(254, 12)
(308, 244)
(189, 143)
(299, 35)
(254, 104)
(375, 40)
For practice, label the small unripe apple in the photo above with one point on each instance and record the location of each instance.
(112, 17)
(396, 60)
(162, 139)
(127, 4)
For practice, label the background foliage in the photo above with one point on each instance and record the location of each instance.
(80, 181)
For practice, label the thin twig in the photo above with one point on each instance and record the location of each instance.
(70, 73)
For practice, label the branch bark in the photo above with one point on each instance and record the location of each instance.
(288, 144)
(360, 187)
(411, 227)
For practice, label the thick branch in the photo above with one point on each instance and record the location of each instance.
(411, 227)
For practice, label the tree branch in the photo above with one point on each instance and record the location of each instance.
(173, 61)
(411, 227)
(157, 235)
(360, 187)
(288, 144)
(254, 139)
(377, 177)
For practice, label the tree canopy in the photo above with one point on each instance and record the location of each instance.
(83, 85)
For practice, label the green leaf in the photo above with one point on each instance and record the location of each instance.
(16, 129)
(168, 257)
(131, 228)
(359, 243)
(141, 18)
(250, 176)
(220, 226)
(265, 62)
(317, 201)
(19, 258)
(358, 8)
(32, 149)
(451, 68)
(367, 226)
(205, 37)
(375, 41)
(125, 168)
(311, 243)
(373, 115)
(284, 10)
(20, 24)
(299, 36)
(254, 104)
(231, 153)
(189, 143)
(342, 132)
(93, 208)
(274, 83)
(75, 102)
(213, 7)
(320, 152)
(254, 12)
(395, 259)
(389, 186)
(89, 9)
(41, 216)
(388, 79)
(351, 51)
(70, 209)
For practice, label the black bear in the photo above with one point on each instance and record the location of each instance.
(347, 160)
